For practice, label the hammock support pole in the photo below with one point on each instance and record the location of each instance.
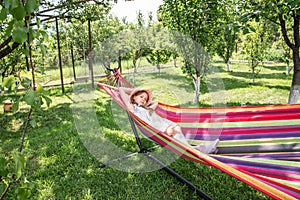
(145, 152)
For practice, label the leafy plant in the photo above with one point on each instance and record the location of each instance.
(12, 167)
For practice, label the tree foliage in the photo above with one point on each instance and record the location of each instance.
(228, 32)
(255, 44)
(286, 14)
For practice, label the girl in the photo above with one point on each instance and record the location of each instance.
(139, 101)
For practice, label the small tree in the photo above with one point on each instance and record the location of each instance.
(254, 47)
(157, 57)
(227, 34)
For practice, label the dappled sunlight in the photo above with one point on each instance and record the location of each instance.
(45, 189)
(45, 162)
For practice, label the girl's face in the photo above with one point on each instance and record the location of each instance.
(141, 98)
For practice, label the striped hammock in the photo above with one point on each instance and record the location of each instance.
(259, 145)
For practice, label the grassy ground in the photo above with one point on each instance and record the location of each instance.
(63, 151)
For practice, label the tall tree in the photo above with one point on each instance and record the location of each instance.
(197, 20)
(285, 14)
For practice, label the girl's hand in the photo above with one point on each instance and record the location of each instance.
(153, 106)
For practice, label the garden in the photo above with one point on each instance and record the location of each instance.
(57, 126)
(60, 167)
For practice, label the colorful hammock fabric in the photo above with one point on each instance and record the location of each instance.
(259, 145)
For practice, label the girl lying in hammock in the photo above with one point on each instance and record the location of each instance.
(139, 101)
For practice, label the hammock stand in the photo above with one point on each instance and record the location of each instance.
(260, 145)
(147, 153)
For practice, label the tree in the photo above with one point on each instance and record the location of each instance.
(158, 56)
(197, 20)
(255, 44)
(228, 33)
(285, 14)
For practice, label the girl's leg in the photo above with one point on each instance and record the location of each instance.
(180, 137)
(176, 132)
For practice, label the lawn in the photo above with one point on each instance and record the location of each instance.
(83, 128)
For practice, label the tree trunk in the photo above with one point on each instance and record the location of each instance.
(253, 75)
(134, 64)
(136, 56)
(228, 65)
(158, 67)
(294, 94)
(288, 67)
(295, 88)
(197, 89)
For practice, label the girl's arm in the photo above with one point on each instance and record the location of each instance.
(125, 92)
(152, 107)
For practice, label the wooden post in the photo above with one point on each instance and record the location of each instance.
(59, 57)
(91, 54)
(119, 61)
(73, 62)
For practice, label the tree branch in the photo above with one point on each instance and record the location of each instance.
(66, 4)
(5, 191)
(284, 32)
(296, 28)
(8, 49)
(5, 42)
(5, 51)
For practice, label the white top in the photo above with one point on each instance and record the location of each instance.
(153, 119)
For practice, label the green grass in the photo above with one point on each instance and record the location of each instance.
(61, 163)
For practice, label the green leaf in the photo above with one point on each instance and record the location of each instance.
(43, 49)
(25, 52)
(20, 34)
(15, 106)
(30, 97)
(3, 166)
(8, 82)
(23, 190)
(39, 89)
(3, 14)
(44, 34)
(31, 6)
(10, 4)
(26, 82)
(33, 34)
(38, 102)
(20, 164)
(33, 123)
(18, 13)
(47, 99)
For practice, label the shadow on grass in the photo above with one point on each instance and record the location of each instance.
(113, 117)
(279, 87)
(248, 75)
(276, 67)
